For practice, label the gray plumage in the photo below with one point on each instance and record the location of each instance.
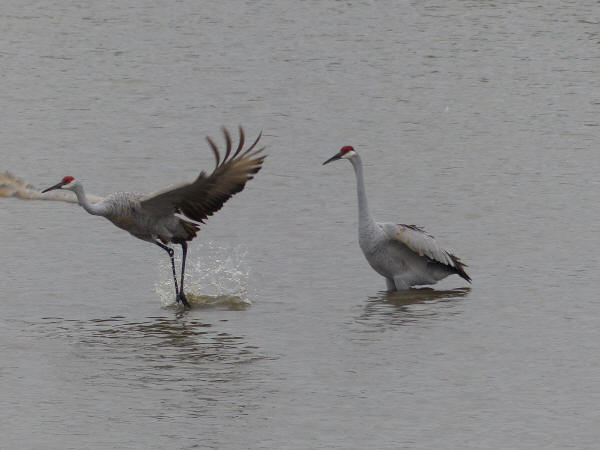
(173, 215)
(405, 255)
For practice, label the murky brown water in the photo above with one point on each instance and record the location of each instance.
(477, 120)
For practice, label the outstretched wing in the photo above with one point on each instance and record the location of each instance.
(424, 244)
(206, 195)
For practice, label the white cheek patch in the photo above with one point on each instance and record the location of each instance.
(349, 154)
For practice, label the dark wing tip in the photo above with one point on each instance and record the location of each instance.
(241, 143)
(229, 177)
(215, 150)
(227, 142)
(239, 151)
(249, 149)
(459, 267)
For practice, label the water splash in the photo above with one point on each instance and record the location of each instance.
(218, 279)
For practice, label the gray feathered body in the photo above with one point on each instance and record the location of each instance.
(125, 210)
(397, 263)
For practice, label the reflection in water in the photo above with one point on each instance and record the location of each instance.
(409, 307)
(180, 366)
(156, 344)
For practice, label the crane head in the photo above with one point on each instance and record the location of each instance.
(346, 152)
(66, 183)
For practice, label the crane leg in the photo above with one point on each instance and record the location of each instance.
(389, 283)
(182, 296)
(171, 253)
(401, 285)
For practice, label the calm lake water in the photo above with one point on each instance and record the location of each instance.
(478, 120)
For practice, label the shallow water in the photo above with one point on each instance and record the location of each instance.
(477, 120)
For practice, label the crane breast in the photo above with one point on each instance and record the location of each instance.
(123, 209)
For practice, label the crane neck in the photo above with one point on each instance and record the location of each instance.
(364, 216)
(92, 208)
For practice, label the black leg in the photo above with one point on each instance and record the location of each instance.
(171, 253)
(183, 255)
(182, 296)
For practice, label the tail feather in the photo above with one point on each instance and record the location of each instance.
(191, 229)
(459, 267)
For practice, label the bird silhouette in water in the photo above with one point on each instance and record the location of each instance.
(173, 215)
(405, 255)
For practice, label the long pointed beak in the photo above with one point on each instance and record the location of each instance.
(56, 186)
(333, 158)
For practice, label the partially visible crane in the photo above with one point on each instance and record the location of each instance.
(12, 186)
(173, 215)
(405, 255)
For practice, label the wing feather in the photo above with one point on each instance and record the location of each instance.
(424, 244)
(206, 195)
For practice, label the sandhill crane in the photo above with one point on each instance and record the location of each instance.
(405, 255)
(173, 215)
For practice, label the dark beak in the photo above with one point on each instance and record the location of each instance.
(56, 186)
(333, 158)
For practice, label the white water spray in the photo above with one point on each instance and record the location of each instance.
(218, 279)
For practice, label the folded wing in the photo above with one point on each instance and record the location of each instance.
(206, 195)
(424, 244)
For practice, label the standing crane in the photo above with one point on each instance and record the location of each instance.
(172, 215)
(405, 255)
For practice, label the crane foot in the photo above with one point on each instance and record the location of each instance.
(182, 298)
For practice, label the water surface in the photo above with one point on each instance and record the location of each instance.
(477, 120)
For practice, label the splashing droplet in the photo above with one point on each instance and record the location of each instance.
(217, 279)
